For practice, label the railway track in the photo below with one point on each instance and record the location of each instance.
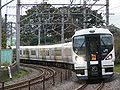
(83, 87)
(46, 74)
(100, 86)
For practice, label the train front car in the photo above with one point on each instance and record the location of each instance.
(93, 53)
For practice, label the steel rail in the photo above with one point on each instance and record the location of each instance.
(82, 87)
(34, 80)
(100, 86)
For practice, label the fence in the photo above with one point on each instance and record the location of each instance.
(64, 76)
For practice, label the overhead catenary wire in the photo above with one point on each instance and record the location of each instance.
(72, 3)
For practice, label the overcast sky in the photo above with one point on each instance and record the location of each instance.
(114, 8)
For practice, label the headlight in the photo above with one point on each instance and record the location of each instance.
(79, 59)
(109, 57)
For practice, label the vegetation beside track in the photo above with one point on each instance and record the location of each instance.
(117, 68)
(20, 74)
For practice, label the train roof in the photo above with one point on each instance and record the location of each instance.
(92, 31)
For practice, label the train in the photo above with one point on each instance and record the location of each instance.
(91, 52)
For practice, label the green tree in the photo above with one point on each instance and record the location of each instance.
(116, 33)
(4, 36)
(48, 20)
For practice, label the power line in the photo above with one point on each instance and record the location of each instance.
(6, 4)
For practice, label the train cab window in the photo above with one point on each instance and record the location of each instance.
(106, 44)
(79, 45)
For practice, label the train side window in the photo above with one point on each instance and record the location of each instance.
(52, 51)
(33, 52)
(24, 52)
(67, 52)
(20, 52)
(57, 51)
(47, 51)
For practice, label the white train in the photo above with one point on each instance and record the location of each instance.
(48, 52)
(91, 52)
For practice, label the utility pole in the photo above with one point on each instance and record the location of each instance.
(18, 33)
(11, 33)
(107, 12)
(84, 13)
(39, 27)
(44, 29)
(5, 33)
(0, 33)
(5, 22)
(62, 29)
(39, 30)
(62, 33)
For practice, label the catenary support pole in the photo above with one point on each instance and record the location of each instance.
(84, 14)
(18, 33)
(0, 34)
(62, 33)
(107, 12)
(11, 33)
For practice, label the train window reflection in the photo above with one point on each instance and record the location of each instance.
(106, 40)
(79, 41)
(106, 45)
(79, 45)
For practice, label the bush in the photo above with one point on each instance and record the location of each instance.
(117, 47)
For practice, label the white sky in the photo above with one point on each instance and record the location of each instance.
(114, 8)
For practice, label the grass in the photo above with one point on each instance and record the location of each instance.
(23, 73)
(20, 74)
(117, 68)
(6, 64)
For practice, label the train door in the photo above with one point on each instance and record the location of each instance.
(93, 56)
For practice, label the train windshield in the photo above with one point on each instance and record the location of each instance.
(106, 44)
(79, 45)
(100, 45)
